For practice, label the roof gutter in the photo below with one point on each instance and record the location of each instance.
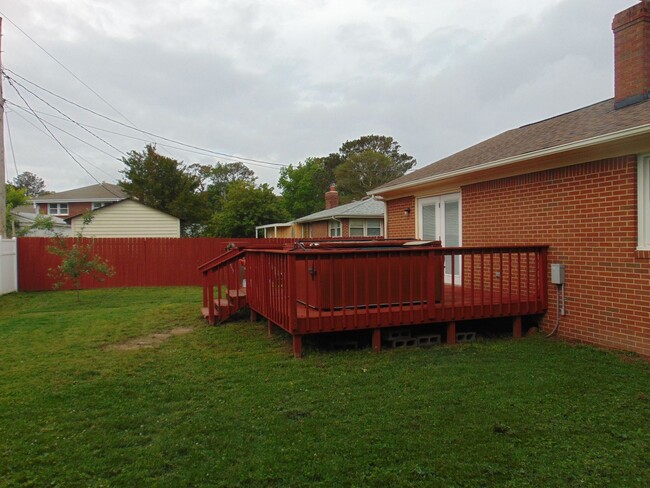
(584, 143)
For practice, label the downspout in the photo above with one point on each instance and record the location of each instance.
(341, 223)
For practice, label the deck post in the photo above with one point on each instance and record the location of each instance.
(253, 317)
(516, 327)
(270, 327)
(376, 340)
(297, 346)
(451, 333)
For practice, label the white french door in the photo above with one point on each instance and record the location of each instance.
(440, 220)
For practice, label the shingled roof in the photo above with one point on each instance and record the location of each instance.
(368, 208)
(100, 192)
(600, 119)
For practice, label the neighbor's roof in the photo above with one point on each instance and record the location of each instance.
(93, 193)
(369, 207)
(591, 122)
(112, 205)
(30, 217)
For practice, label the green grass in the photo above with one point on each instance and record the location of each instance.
(229, 406)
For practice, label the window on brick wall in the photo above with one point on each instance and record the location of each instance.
(644, 202)
(334, 228)
(366, 227)
(57, 209)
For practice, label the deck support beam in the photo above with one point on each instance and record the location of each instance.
(297, 346)
(451, 333)
(516, 327)
(376, 340)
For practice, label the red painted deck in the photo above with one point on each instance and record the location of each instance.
(308, 289)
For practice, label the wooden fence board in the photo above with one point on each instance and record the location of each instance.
(137, 261)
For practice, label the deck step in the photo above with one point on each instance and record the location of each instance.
(237, 293)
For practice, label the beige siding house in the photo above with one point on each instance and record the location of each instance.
(128, 218)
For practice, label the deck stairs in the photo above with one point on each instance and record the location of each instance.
(224, 286)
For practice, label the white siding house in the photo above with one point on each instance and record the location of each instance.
(128, 218)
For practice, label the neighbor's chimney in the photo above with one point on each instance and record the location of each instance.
(331, 197)
(632, 54)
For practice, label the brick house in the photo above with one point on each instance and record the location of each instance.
(579, 182)
(362, 218)
(69, 203)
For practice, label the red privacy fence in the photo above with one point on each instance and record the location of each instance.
(137, 261)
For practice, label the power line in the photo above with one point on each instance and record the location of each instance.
(11, 83)
(79, 139)
(202, 153)
(60, 112)
(48, 135)
(66, 68)
(11, 143)
(132, 127)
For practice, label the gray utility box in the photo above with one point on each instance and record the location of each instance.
(557, 274)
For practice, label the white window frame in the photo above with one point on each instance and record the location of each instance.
(97, 205)
(59, 208)
(643, 182)
(334, 227)
(364, 227)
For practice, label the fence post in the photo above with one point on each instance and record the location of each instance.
(8, 266)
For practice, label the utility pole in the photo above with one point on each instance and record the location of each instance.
(3, 186)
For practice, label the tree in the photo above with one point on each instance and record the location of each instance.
(303, 187)
(385, 145)
(164, 184)
(364, 171)
(369, 162)
(32, 184)
(215, 180)
(355, 163)
(245, 207)
(15, 198)
(77, 260)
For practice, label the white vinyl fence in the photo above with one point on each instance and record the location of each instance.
(8, 266)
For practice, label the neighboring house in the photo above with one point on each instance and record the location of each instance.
(579, 182)
(66, 204)
(285, 229)
(363, 218)
(24, 217)
(127, 218)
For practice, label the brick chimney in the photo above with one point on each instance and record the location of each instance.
(632, 54)
(331, 197)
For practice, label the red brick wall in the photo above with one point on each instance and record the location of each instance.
(73, 208)
(400, 225)
(632, 51)
(588, 215)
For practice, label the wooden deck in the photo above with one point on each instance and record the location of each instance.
(329, 289)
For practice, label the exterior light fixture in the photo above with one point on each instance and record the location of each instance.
(407, 211)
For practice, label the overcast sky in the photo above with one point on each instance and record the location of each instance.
(283, 80)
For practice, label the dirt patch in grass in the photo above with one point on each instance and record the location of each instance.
(148, 341)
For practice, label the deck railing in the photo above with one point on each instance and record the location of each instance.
(318, 290)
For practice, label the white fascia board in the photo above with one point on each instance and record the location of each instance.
(584, 143)
(77, 200)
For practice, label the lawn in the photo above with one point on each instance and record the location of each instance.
(229, 406)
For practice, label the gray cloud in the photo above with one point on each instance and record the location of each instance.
(283, 80)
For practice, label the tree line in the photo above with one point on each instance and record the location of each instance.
(225, 200)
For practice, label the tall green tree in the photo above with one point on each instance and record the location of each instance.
(303, 187)
(359, 166)
(32, 184)
(216, 179)
(361, 172)
(164, 184)
(245, 207)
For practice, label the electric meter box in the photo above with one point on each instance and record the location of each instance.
(557, 274)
